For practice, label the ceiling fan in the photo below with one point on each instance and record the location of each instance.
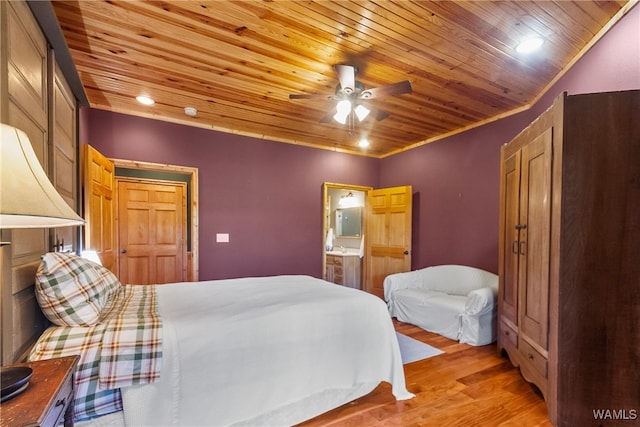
(352, 97)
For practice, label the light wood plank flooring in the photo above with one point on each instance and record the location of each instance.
(465, 386)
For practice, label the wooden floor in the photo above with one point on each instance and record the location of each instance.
(465, 386)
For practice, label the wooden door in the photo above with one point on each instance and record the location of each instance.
(388, 236)
(509, 236)
(535, 238)
(99, 208)
(151, 231)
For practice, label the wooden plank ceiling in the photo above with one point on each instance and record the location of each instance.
(236, 62)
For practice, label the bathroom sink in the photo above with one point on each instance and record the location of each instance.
(345, 252)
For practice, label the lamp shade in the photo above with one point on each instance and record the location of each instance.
(343, 109)
(362, 112)
(27, 197)
(91, 255)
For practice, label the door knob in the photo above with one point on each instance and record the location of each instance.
(406, 252)
(123, 251)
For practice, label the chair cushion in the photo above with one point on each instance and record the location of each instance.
(456, 279)
(433, 311)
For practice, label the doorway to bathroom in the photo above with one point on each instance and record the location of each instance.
(343, 231)
(366, 234)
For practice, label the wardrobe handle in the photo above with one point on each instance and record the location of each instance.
(522, 246)
(521, 226)
(514, 247)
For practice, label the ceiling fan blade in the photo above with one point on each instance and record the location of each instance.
(310, 96)
(329, 116)
(347, 77)
(387, 90)
(380, 114)
(375, 112)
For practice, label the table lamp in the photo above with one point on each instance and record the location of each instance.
(28, 199)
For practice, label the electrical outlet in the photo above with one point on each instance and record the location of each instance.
(222, 238)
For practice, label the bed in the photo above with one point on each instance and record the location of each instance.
(252, 351)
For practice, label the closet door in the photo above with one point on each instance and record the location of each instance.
(509, 245)
(152, 228)
(525, 227)
(534, 255)
(534, 242)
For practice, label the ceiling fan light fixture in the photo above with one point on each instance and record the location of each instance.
(343, 109)
(341, 118)
(361, 112)
(349, 92)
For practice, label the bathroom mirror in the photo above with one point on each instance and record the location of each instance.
(349, 222)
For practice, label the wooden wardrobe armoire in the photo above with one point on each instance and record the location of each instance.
(569, 300)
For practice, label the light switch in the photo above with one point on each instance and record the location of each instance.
(222, 238)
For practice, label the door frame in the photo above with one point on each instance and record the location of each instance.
(192, 173)
(325, 190)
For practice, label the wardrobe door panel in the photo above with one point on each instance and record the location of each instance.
(534, 243)
(510, 244)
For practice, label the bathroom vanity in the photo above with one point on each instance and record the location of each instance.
(344, 268)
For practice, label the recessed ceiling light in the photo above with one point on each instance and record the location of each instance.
(145, 100)
(529, 45)
(190, 111)
(363, 143)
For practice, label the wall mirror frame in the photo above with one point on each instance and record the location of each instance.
(331, 191)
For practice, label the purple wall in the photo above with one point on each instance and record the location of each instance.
(456, 180)
(267, 195)
(455, 188)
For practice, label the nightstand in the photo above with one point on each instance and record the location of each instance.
(47, 399)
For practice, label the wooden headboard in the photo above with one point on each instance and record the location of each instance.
(22, 320)
(39, 102)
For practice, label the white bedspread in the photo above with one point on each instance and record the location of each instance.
(265, 351)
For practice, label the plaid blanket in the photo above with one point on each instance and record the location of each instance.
(132, 342)
(124, 348)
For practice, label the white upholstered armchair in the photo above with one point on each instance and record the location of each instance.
(456, 301)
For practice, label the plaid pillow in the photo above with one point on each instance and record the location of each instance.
(71, 290)
(110, 283)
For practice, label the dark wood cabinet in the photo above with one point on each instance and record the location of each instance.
(525, 240)
(47, 400)
(569, 247)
